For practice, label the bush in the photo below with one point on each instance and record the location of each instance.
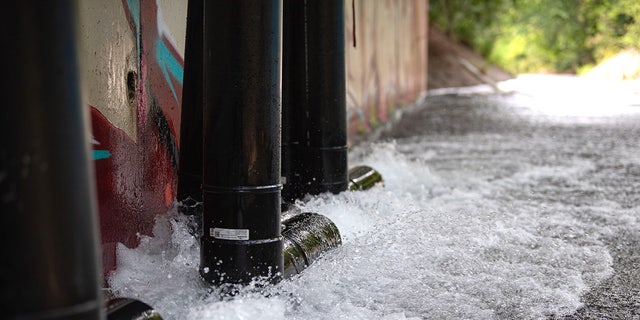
(541, 35)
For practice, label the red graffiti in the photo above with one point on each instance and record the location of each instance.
(137, 176)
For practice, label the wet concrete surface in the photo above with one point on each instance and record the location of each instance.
(501, 135)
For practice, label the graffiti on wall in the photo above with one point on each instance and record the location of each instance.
(136, 170)
(135, 78)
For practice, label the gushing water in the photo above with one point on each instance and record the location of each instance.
(489, 224)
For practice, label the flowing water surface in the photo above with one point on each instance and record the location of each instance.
(494, 206)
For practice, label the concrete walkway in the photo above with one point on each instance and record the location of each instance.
(490, 137)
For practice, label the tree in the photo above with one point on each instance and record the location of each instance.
(541, 35)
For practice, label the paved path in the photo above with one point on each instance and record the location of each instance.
(502, 137)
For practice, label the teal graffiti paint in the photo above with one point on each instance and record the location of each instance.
(101, 154)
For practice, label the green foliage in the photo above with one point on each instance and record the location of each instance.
(472, 21)
(541, 35)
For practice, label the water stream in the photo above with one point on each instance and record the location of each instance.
(494, 206)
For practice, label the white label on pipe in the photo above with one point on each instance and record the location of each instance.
(229, 234)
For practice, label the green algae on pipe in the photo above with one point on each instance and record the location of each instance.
(307, 236)
(363, 178)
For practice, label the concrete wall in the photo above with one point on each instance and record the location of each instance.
(133, 55)
(387, 67)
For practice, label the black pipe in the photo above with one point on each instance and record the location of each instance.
(314, 148)
(241, 191)
(190, 163)
(306, 237)
(50, 266)
(363, 178)
(130, 309)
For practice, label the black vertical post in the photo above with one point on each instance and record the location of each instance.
(190, 163)
(50, 265)
(314, 103)
(241, 191)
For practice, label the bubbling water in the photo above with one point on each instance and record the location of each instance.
(502, 215)
(421, 246)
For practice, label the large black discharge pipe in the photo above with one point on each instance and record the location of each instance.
(190, 163)
(50, 265)
(314, 150)
(241, 191)
(306, 237)
(130, 309)
(363, 177)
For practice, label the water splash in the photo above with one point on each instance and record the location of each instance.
(425, 245)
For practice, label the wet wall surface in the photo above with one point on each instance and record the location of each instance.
(593, 174)
(134, 68)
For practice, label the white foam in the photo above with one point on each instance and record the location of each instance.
(453, 256)
(416, 248)
(465, 227)
(245, 307)
(163, 270)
